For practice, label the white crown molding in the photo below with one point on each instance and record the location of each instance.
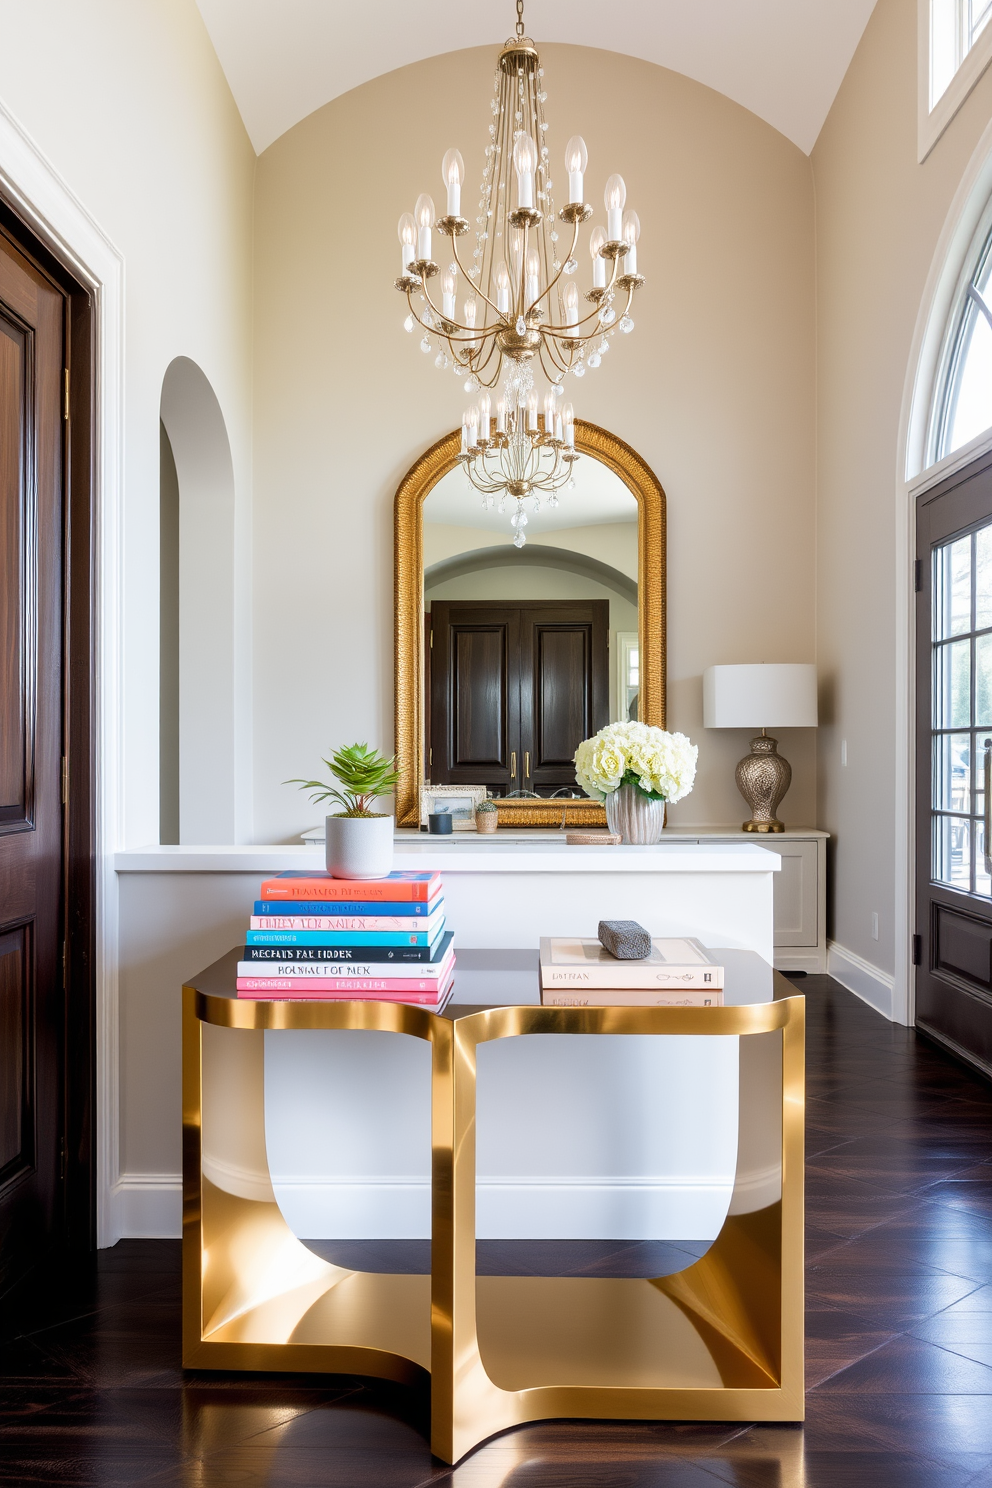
(35, 189)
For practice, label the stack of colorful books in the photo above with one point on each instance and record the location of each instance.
(369, 940)
(676, 973)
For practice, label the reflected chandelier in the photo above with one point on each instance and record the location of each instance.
(522, 275)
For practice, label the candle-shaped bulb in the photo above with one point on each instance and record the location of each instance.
(502, 287)
(614, 197)
(532, 410)
(568, 423)
(485, 414)
(570, 301)
(549, 415)
(448, 295)
(596, 240)
(407, 234)
(453, 174)
(472, 420)
(525, 164)
(533, 276)
(576, 160)
(470, 314)
(501, 416)
(631, 233)
(424, 214)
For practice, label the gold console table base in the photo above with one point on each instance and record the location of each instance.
(720, 1341)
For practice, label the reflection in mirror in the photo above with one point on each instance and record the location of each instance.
(528, 649)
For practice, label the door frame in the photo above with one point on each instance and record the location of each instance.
(36, 195)
(913, 480)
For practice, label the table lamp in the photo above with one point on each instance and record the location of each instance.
(761, 696)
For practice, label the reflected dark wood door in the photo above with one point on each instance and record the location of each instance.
(475, 694)
(32, 339)
(564, 686)
(515, 688)
(953, 943)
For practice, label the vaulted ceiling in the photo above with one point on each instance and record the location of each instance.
(782, 59)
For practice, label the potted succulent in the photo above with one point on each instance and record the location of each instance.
(358, 841)
(486, 816)
(635, 769)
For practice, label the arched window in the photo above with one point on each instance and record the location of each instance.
(963, 406)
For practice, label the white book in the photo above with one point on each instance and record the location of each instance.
(586, 963)
(692, 997)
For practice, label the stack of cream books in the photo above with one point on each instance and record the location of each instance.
(582, 973)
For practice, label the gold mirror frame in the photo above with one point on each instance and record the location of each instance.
(408, 581)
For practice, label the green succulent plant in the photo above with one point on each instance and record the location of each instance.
(363, 772)
(486, 806)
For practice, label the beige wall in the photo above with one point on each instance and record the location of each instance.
(879, 214)
(130, 105)
(714, 389)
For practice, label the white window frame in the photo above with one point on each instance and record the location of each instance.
(944, 372)
(933, 122)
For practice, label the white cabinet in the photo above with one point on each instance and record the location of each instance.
(800, 890)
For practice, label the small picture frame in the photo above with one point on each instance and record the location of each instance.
(459, 800)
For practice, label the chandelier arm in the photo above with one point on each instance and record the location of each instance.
(553, 357)
(468, 332)
(565, 260)
(476, 289)
(486, 490)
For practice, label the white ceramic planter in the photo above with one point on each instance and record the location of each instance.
(638, 819)
(358, 846)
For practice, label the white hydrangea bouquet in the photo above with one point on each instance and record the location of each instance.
(659, 764)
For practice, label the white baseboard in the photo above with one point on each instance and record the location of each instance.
(873, 986)
(149, 1206)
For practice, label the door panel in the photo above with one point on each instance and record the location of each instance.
(954, 718)
(16, 607)
(475, 703)
(564, 686)
(32, 1013)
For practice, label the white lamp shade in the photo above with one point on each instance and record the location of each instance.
(760, 696)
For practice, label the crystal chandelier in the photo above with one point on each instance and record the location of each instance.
(521, 313)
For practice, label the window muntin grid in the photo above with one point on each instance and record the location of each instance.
(961, 708)
(955, 26)
(964, 407)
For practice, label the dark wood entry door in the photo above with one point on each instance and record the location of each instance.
(954, 763)
(32, 862)
(515, 688)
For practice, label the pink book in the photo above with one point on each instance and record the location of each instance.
(398, 885)
(374, 989)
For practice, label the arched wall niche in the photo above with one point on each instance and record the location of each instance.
(205, 643)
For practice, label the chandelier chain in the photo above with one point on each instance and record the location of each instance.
(520, 17)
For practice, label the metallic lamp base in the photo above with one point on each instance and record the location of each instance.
(763, 777)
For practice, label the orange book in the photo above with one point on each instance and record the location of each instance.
(397, 886)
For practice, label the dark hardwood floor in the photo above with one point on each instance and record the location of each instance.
(899, 1333)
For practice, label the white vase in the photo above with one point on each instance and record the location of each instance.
(632, 814)
(358, 846)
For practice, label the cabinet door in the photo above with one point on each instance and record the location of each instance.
(795, 893)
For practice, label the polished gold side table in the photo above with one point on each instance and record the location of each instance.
(719, 1341)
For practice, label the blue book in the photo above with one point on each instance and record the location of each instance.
(342, 937)
(380, 955)
(396, 907)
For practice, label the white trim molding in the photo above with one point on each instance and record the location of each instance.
(870, 983)
(149, 1206)
(931, 122)
(55, 214)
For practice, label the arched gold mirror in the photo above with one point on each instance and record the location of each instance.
(584, 604)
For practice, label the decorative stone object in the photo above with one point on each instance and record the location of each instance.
(625, 939)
